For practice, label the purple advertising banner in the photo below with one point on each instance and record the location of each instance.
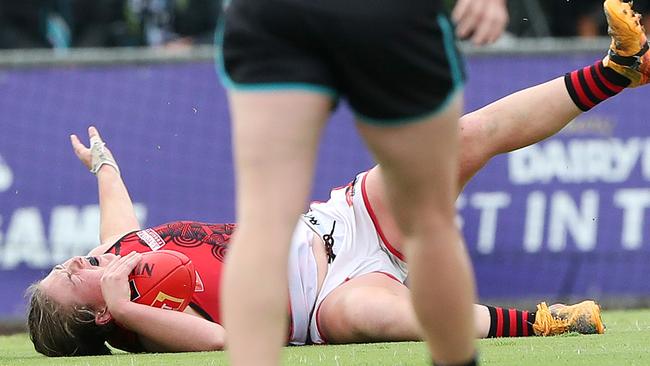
(565, 218)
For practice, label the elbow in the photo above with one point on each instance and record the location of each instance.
(477, 128)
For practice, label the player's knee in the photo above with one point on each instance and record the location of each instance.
(469, 123)
(475, 125)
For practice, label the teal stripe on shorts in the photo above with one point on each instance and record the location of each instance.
(450, 50)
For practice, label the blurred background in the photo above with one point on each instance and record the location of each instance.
(560, 221)
(63, 24)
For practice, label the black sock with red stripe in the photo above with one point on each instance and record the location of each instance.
(593, 84)
(510, 322)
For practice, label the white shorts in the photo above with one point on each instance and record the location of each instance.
(303, 284)
(353, 241)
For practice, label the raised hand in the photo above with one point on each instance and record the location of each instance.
(95, 156)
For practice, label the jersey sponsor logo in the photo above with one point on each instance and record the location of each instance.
(151, 238)
(312, 220)
(198, 287)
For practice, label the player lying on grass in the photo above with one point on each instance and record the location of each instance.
(346, 269)
(354, 290)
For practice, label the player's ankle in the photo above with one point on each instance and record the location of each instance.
(593, 84)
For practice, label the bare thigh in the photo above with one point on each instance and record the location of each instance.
(376, 308)
(369, 308)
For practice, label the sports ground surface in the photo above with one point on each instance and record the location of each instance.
(626, 342)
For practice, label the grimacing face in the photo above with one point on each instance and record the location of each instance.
(77, 281)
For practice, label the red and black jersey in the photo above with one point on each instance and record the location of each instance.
(205, 244)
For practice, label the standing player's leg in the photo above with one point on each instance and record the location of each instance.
(275, 137)
(533, 114)
(280, 96)
(405, 90)
(419, 164)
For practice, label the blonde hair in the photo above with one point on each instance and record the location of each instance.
(57, 330)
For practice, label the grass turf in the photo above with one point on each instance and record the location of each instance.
(625, 342)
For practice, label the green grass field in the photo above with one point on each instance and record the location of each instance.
(626, 342)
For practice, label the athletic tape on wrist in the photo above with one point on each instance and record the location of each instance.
(99, 156)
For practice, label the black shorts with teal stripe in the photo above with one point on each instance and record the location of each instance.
(393, 60)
